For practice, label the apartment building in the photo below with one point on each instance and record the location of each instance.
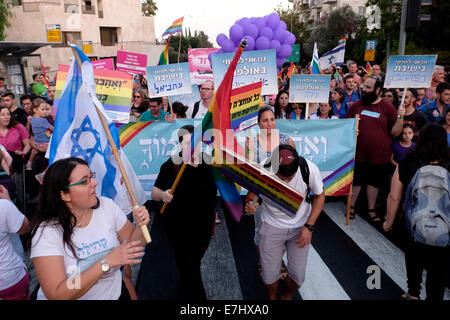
(100, 26)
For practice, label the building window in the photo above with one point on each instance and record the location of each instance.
(76, 37)
(361, 11)
(100, 9)
(108, 36)
(16, 2)
(87, 7)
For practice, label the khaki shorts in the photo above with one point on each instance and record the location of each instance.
(272, 243)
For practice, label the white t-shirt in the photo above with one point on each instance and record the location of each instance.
(200, 113)
(275, 217)
(316, 117)
(12, 267)
(91, 244)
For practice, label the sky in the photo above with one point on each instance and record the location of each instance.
(213, 16)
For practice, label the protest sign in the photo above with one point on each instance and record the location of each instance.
(413, 71)
(113, 89)
(245, 102)
(309, 88)
(330, 144)
(187, 99)
(104, 64)
(131, 62)
(199, 65)
(168, 80)
(253, 66)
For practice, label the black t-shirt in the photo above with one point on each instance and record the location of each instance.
(192, 206)
(416, 119)
(407, 168)
(18, 114)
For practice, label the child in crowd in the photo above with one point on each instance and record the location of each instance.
(325, 111)
(402, 147)
(41, 126)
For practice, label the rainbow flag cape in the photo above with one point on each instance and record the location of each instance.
(175, 27)
(218, 118)
(368, 68)
(315, 61)
(164, 57)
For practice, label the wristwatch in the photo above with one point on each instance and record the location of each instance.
(105, 265)
(310, 227)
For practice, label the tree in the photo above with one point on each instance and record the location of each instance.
(199, 40)
(148, 8)
(5, 14)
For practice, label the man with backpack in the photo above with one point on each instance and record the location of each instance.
(282, 230)
(425, 176)
(201, 107)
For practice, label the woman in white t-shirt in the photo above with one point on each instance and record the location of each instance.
(324, 112)
(14, 277)
(80, 241)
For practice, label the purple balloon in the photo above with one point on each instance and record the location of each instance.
(266, 32)
(273, 20)
(227, 45)
(265, 18)
(221, 37)
(262, 43)
(285, 51)
(275, 44)
(250, 43)
(244, 21)
(289, 39)
(282, 25)
(280, 62)
(251, 30)
(279, 35)
(236, 32)
(259, 23)
(220, 51)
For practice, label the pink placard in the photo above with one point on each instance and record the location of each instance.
(131, 62)
(199, 66)
(104, 64)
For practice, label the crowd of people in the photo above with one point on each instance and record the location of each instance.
(81, 242)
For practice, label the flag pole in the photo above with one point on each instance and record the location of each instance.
(349, 197)
(174, 186)
(179, 47)
(116, 154)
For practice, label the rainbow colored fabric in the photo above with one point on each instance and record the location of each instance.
(175, 27)
(164, 57)
(341, 41)
(369, 68)
(339, 182)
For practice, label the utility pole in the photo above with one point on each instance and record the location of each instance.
(402, 38)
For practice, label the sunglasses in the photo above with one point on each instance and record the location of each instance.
(296, 108)
(83, 182)
(137, 96)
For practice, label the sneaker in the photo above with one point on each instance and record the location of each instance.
(217, 218)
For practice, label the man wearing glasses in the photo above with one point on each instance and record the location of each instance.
(376, 71)
(201, 107)
(155, 112)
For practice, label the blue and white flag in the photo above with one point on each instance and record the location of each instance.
(78, 132)
(335, 56)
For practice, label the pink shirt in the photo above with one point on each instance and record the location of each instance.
(14, 137)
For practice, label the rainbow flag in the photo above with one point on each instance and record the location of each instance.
(164, 58)
(341, 41)
(175, 27)
(128, 131)
(339, 182)
(289, 72)
(47, 83)
(368, 68)
(315, 61)
(218, 118)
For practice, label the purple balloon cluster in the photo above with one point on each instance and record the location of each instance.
(267, 32)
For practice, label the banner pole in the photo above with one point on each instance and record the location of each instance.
(349, 197)
(116, 154)
(307, 111)
(179, 47)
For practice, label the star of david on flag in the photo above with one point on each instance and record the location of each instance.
(335, 56)
(78, 132)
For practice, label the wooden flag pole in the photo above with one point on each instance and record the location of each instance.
(174, 186)
(349, 198)
(116, 154)
(179, 47)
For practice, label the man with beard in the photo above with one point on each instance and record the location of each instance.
(379, 123)
(434, 110)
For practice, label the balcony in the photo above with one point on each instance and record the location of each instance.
(329, 1)
(87, 9)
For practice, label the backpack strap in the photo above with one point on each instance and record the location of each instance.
(196, 107)
(304, 169)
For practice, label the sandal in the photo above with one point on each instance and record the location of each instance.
(352, 212)
(407, 296)
(374, 217)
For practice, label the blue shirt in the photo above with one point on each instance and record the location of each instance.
(432, 112)
(341, 112)
(351, 98)
(147, 116)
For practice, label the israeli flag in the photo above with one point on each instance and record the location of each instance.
(335, 56)
(78, 132)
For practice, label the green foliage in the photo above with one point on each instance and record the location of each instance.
(199, 40)
(148, 8)
(5, 14)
